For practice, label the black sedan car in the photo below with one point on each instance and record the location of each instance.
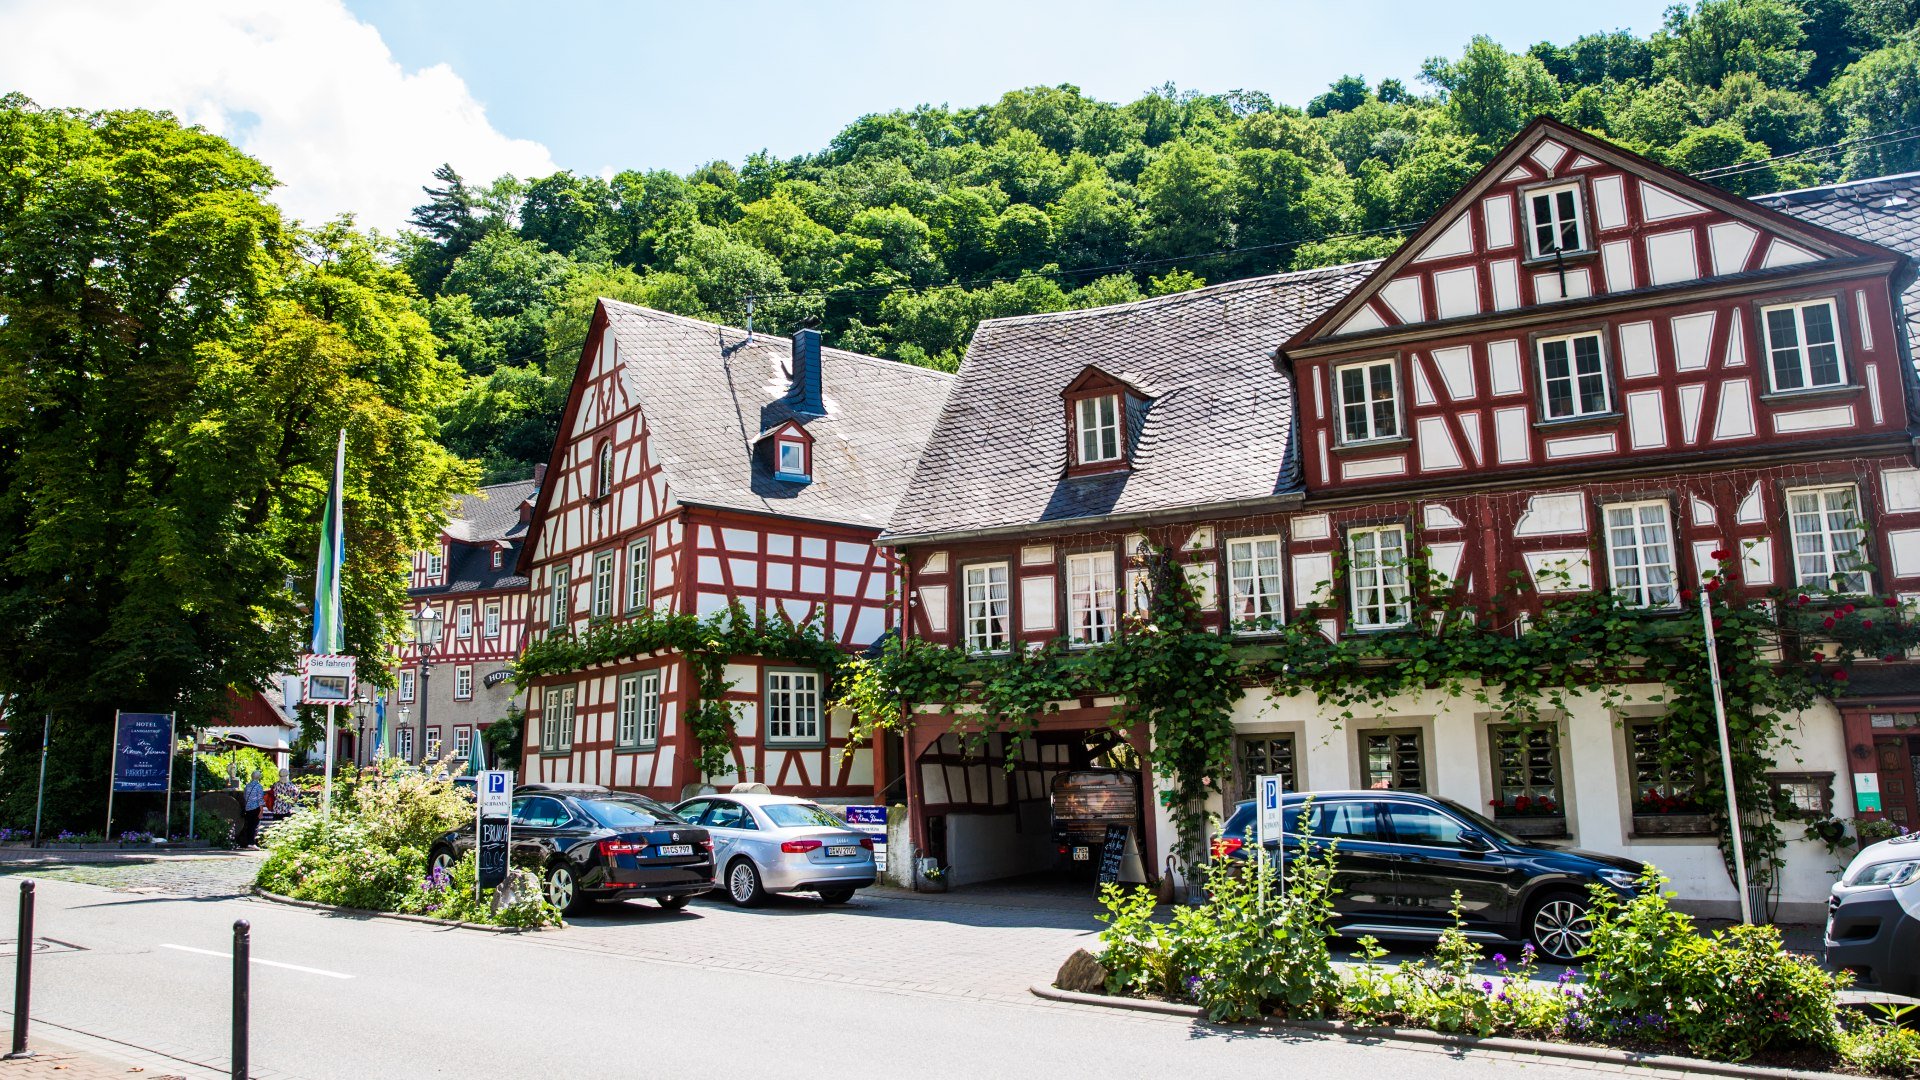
(1399, 857)
(594, 843)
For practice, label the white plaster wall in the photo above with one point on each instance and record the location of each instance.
(1594, 780)
(984, 847)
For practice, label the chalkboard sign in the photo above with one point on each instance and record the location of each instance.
(142, 751)
(493, 852)
(1113, 852)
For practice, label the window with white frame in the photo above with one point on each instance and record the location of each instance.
(603, 472)
(463, 621)
(1640, 553)
(436, 564)
(1573, 377)
(639, 710)
(1096, 421)
(603, 564)
(793, 707)
(403, 743)
(462, 682)
(556, 720)
(791, 458)
(1253, 580)
(1369, 402)
(639, 570)
(433, 744)
(1803, 346)
(561, 600)
(497, 555)
(463, 743)
(1092, 601)
(1377, 576)
(1828, 539)
(1553, 221)
(406, 686)
(490, 625)
(987, 610)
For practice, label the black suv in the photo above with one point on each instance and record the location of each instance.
(594, 843)
(1399, 858)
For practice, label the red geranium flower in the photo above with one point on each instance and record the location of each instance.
(1717, 553)
(1686, 594)
(1867, 623)
(1840, 676)
(1712, 586)
(1828, 623)
(1847, 610)
(1891, 602)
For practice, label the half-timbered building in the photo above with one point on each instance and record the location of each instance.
(452, 683)
(700, 467)
(1586, 372)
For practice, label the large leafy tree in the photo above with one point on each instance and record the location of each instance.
(175, 365)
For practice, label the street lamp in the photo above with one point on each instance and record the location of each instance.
(362, 708)
(426, 631)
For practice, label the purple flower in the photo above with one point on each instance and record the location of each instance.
(1500, 958)
(1488, 986)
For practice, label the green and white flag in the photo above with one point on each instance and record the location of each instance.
(329, 635)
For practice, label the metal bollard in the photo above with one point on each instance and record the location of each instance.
(23, 974)
(242, 992)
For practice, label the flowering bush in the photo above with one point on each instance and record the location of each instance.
(1652, 801)
(1525, 806)
(452, 895)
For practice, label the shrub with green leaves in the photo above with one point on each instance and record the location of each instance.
(1727, 996)
(518, 903)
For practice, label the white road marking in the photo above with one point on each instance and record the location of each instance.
(257, 960)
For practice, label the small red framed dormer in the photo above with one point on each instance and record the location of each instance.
(1102, 414)
(789, 450)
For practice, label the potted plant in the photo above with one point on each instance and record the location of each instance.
(929, 876)
(1528, 815)
(1657, 813)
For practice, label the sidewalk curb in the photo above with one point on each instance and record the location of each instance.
(1566, 1051)
(401, 916)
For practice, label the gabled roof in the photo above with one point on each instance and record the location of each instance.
(1448, 233)
(708, 392)
(1218, 430)
(492, 513)
(1884, 210)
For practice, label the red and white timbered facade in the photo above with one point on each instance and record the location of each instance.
(1585, 373)
(654, 502)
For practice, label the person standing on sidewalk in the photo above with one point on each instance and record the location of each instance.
(254, 798)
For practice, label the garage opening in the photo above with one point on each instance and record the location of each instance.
(997, 808)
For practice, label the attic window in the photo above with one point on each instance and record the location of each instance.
(1097, 424)
(790, 459)
(496, 558)
(1554, 221)
(603, 472)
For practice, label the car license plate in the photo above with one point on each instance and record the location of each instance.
(673, 849)
(837, 851)
(1081, 854)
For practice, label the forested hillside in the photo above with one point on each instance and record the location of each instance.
(910, 227)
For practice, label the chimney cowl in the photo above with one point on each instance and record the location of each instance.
(806, 392)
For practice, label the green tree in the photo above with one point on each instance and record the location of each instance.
(1875, 97)
(175, 364)
(1189, 193)
(1719, 37)
(1491, 93)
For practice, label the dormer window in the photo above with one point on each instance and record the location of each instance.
(1555, 225)
(790, 459)
(496, 558)
(1097, 422)
(435, 564)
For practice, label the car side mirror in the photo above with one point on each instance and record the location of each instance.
(1475, 841)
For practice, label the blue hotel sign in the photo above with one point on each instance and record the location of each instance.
(142, 751)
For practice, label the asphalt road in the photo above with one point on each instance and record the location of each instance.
(350, 998)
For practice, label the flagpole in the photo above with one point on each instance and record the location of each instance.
(326, 787)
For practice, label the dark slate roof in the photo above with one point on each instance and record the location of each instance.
(708, 393)
(1218, 427)
(1884, 210)
(492, 513)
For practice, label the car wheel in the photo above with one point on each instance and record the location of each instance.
(562, 889)
(1559, 927)
(441, 861)
(674, 903)
(743, 884)
(835, 896)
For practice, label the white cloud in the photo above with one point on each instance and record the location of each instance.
(303, 86)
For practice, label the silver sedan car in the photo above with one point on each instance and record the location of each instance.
(779, 844)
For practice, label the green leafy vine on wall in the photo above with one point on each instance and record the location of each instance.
(708, 644)
(1776, 654)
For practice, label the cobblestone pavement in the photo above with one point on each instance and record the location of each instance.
(60, 1059)
(201, 874)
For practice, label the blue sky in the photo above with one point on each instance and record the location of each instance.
(352, 103)
(674, 85)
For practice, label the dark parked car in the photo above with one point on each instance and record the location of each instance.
(594, 843)
(1399, 857)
